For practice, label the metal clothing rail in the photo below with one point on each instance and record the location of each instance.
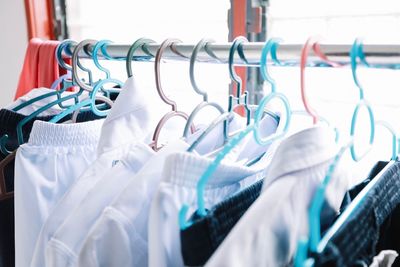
(378, 55)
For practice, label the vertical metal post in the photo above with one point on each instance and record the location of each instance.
(237, 20)
(60, 20)
(257, 32)
(248, 18)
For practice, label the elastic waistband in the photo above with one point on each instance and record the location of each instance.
(73, 134)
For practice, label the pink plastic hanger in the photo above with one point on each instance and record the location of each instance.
(312, 43)
(174, 113)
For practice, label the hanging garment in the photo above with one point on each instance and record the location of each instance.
(373, 225)
(106, 189)
(178, 187)
(266, 235)
(40, 67)
(8, 124)
(45, 167)
(200, 240)
(123, 224)
(127, 216)
(64, 246)
(129, 122)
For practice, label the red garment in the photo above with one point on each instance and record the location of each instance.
(40, 67)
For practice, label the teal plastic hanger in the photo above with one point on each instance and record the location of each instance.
(91, 101)
(311, 244)
(93, 92)
(253, 128)
(205, 103)
(75, 96)
(139, 43)
(233, 101)
(239, 99)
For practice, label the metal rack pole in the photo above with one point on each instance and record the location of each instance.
(378, 55)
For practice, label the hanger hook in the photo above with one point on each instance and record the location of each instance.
(236, 46)
(164, 45)
(60, 48)
(201, 44)
(270, 47)
(357, 52)
(100, 45)
(138, 43)
(75, 59)
(311, 43)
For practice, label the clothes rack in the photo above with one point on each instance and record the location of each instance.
(378, 55)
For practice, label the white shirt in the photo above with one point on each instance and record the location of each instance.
(63, 247)
(123, 225)
(178, 187)
(128, 122)
(268, 233)
(45, 167)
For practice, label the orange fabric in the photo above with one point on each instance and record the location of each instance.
(40, 67)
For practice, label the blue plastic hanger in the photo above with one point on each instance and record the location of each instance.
(93, 92)
(234, 101)
(139, 43)
(312, 243)
(253, 128)
(83, 86)
(19, 128)
(201, 44)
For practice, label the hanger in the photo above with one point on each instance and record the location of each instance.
(105, 99)
(252, 128)
(4, 138)
(93, 91)
(201, 44)
(234, 101)
(174, 113)
(313, 244)
(49, 105)
(311, 43)
(139, 43)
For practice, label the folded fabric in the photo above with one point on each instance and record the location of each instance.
(40, 67)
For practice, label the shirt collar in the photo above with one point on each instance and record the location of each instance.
(302, 150)
(129, 120)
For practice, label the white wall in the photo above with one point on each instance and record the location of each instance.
(13, 42)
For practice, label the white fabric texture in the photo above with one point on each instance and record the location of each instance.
(40, 103)
(45, 167)
(129, 119)
(385, 258)
(178, 187)
(123, 225)
(268, 232)
(63, 247)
